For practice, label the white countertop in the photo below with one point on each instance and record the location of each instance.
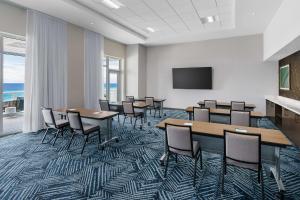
(287, 103)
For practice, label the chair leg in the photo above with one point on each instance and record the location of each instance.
(85, 141)
(124, 120)
(131, 120)
(73, 134)
(166, 168)
(195, 172)
(56, 136)
(201, 163)
(154, 113)
(99, 138)
(118, 118)
(176, 158)
(45, 135)
(134, 122)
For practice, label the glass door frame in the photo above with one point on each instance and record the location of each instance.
(118, 72)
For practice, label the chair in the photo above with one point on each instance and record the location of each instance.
(210, 104)
(51, 123)
(78, 127)
(201, 114)
(240, 118)
(237, 105)
(242, 150)
(179, 142)
(105, 106)
(129, 111)
(130, 98)
(152, 105)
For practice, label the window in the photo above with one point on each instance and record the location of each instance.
(111, 77)
(12, 66)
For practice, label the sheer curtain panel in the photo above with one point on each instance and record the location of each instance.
(46, 67)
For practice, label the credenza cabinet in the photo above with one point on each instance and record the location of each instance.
(285, 119)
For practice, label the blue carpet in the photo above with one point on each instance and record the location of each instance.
(128, 170)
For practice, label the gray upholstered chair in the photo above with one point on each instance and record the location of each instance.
(78, 127)
(129, 98)
(179, 142)
(201, 114)
(51, 123)
(242, 150)
(238, 105)
(152, 105)
(240, 118)
(130, 112)
(210, 104)
(105, 106)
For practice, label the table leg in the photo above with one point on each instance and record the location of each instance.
(108, 137)
(190, 115)
(275, 170)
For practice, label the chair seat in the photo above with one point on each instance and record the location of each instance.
(196, 148)
(89, 128)
(241, 164)
(61, 123)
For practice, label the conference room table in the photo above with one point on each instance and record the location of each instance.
(225, 112)
(211, 139)
(101, 118)
(227, 105)
(156, 100)
(137, 105)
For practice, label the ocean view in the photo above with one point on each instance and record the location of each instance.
(12, 90)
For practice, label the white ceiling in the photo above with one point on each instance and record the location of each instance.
(174, 20)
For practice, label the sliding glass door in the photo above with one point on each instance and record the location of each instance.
(111, 79)
(12, 82)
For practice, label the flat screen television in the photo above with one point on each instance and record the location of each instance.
(192, 78)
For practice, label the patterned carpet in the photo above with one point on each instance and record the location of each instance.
(129, 169)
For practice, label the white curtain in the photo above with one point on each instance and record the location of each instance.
(46, 67)
(93, 55)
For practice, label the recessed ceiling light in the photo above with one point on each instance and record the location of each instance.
(208, 19)
(253, 13)
(150, 29)
(91, 23)
(115, 4)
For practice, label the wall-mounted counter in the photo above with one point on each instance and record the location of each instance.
(285, 113)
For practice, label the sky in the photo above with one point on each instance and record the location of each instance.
(13, 69)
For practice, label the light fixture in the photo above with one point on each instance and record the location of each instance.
(208, 19)
(91, 23)
(150, 29)
(115, 4)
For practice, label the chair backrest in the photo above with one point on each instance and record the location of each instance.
(242, 147)
(179, 138)
(149, 101)
(75, 120)
(130, 98)
(240, 118)
(48, 117)
(201, 114)
(210, 104)
(128, 107)
(237, 105)
(104, 105)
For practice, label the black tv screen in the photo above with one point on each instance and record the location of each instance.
(192, 78)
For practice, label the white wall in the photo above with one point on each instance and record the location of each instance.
(142, 71)
(239, 72)
(283, 29)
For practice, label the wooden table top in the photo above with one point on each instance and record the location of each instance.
(139, 104)
(223, 103)
(219, 111)
(92, 114)
(155, 99)
(268, 136)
